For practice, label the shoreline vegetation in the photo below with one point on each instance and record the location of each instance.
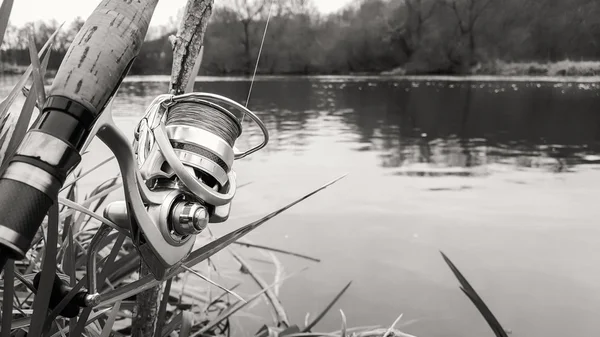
(566, 68)
(540, 38)
(561, 69)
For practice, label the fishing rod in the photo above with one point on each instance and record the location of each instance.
(177, 174)
(89, 75)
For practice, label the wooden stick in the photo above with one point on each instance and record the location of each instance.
(186, 48)
(188, 42)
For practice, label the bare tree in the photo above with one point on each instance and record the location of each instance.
(247, 12)
(408, 25)
(467, 14)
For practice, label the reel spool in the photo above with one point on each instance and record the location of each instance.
(201, 135)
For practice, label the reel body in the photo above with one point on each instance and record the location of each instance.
(178, 175)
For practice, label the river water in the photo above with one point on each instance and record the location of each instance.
(501, 176)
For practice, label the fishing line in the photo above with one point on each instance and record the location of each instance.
(262, 42)
(206, 118)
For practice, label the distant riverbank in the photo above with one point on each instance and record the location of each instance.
(565, 68)
(562, 69)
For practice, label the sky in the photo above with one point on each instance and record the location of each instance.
(66, 10)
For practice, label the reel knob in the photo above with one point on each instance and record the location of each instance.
(189, 218)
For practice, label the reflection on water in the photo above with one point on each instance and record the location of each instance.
(420, 128)
(492, 173)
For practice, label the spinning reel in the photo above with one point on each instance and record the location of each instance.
(178, 175)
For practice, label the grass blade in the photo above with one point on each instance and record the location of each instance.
(358, 329)
(107, 330)
(173, 324)
(251, 245)
(312, 334)
(22, 124)
(477, 301)
(83, 321)
(86, 211)
(89, 201)
(5, 10)
(214, 283)
(42, 298)
(94, 317)
(7, 102)
(391, 328)
(344, 323)
(109, 262)
(282, 318)
(187, 321)
(87, 172)
(162, 309)
(189, 87)
(7, 297)
(235, 308)
(26, 282)
(38, 80)
(324, 312)
(213, 247)
(216, 300)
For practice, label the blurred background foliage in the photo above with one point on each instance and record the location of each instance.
(366, 36)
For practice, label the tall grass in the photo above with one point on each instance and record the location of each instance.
(37, 292)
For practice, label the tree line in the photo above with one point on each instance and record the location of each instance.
(366, 36)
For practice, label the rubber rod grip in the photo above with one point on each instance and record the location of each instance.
(60, 290)
(23, 209)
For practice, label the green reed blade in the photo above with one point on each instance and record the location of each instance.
(477, 301)
(327, 308)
